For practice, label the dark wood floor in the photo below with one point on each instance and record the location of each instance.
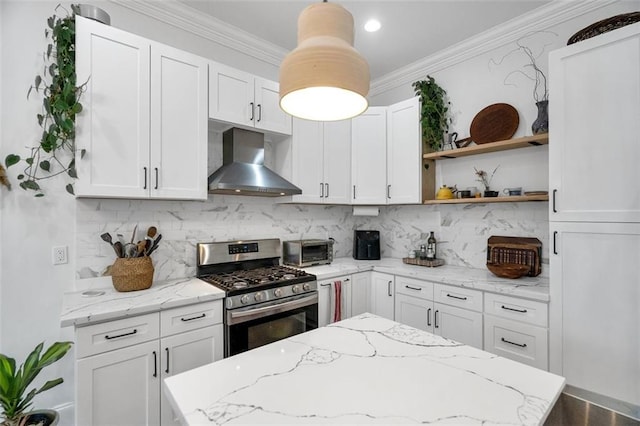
(570, 411)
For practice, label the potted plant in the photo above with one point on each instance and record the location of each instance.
(14, 398)
(433, 112)
(484, 178)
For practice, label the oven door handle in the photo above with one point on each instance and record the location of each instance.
(251, 314)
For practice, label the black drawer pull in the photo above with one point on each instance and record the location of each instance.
(135, 330)
(167, 369)
(523, 345)
(155, 364)
(456, 297)
(522, 311)
(193, 318)
(435, 315)
(429, 317)
(413, 288)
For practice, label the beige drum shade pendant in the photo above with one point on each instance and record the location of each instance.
(324, 78)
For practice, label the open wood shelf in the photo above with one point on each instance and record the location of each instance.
(510, 199)
(542, 139)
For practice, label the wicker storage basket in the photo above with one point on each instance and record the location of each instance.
(515, 251)
(604, 26)
(132, 274)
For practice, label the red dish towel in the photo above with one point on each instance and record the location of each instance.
(337, 313)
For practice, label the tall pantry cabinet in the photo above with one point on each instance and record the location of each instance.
(594, 216)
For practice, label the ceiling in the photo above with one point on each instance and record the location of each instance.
(411, 30)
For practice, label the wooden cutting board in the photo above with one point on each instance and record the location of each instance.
(496, 122)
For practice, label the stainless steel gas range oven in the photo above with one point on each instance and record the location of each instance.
(265, 301)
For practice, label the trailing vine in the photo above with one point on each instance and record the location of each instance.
(434, 111)
(60, 104)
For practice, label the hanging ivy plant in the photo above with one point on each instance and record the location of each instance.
(434, 112)
(60, 104)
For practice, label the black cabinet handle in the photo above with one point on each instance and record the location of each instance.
(156, 178)
(145, 178)
(155, 364)
(389, 191)
(325, 285)
(413, 288)
(553, 200)
(167, 369)
(456, 297)
(389, 289)
(522, 311)
(429, 317)
(321, 190)
(346, 279)
(193, 318)
(523, 345)
(555, 234)
(436, 319)
(135, 330)
(251, 118)
(259, 112)
(326, 192)
(354, 192)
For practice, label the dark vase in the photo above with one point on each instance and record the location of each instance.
(541, 125)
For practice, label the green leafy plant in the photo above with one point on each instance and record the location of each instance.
(60, 104)
(434, 111)
(14, 398)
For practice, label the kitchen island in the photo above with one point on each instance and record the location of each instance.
(365, 369)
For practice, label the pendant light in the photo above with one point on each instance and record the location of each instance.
(324, 78)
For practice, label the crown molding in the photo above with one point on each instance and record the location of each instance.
(208, 27)
(544, 17)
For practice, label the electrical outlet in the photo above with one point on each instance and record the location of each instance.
(59, 255)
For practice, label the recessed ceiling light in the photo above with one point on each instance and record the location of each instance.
(372, 25)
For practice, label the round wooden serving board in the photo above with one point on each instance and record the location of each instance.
(496, 122)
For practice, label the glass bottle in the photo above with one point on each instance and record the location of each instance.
(423, 252)
(431, 247)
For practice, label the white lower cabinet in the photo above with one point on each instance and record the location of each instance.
(120, 364)
(517, 329)
(360, 293)
(458, 324)
(327, 299)
(382, 295)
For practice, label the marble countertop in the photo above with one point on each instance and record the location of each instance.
(102, 302)
(365, 369)
(535, 288)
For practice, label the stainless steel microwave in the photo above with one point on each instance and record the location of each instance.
(302, 253)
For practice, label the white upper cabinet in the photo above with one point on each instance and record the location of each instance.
(144, 122)
(241, 98)
(404, 153)
(322, 161)
(369, 157)
(595, 129)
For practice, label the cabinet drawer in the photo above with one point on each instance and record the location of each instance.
(517, 341)
(107, 336)
(413, 287)
(528, 311)
(456, 296)
(191, 317)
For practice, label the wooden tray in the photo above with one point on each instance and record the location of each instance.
(496, 122)
(423, 262)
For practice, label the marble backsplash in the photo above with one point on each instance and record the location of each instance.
(461, 230)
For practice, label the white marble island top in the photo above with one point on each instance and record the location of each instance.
(364, 370)
(102, 302)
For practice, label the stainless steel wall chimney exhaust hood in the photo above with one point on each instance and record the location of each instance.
(243, 171)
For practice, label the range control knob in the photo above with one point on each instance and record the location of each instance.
(295, 288)
(306, 286)
(244, 299)
(259, 296)
(277, 292)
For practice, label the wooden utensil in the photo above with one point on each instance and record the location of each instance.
(117, 246)
(496, 122)
(141, 246)
(151, 232)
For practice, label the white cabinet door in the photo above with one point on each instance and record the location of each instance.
(184, 352)
(337, 162)
(178, 168)
(404, 153)
(594, 307)
(327, 298)
(268, 114)
(113, 127)
(369, 157)
(230, 95)
(594, 144)
(360, 293)
(517, 341)
(307, 152)
(415, 312)
(120, 387)
(458, 324)
(382, 300)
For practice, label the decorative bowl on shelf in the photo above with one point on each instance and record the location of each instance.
(508, 270)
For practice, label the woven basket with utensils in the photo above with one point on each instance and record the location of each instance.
(131, 274)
